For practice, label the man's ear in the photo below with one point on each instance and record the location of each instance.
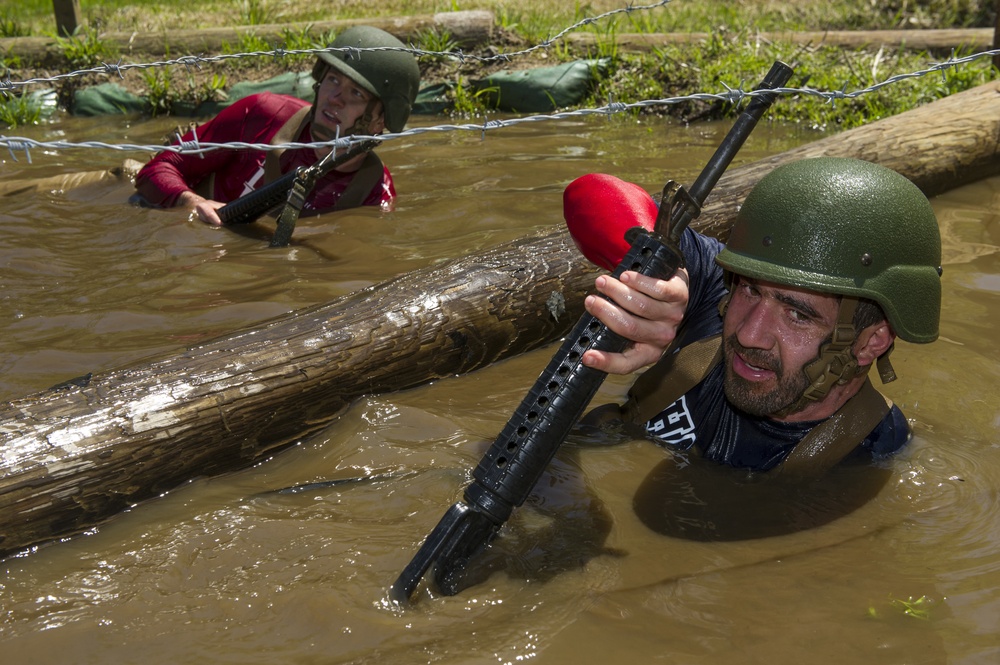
(872, 342)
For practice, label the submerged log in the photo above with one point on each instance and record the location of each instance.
(72, 457)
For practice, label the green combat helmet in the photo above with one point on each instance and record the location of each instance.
(847, 227)
(393, 76)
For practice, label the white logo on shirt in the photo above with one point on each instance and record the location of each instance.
(674, 424)
(250, 184)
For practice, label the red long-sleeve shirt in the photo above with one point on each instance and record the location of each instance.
(253, 119)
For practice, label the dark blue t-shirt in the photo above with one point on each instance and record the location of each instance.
(704, 419)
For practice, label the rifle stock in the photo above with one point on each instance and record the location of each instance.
(519, 455)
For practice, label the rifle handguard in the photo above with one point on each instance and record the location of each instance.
(248, 208)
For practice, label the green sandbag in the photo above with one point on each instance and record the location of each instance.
(107, 99)
(113, 99)
(433, 99)
(294, 84)
(529, 91)
(542, 89)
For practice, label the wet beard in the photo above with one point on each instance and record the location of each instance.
(754, 398)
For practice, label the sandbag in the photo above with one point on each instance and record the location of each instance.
(107, 99)
(528, 91)
(113, 99)
(542, 89)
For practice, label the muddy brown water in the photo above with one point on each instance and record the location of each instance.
(623, 554)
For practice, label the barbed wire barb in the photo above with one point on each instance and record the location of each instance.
(193, 144)
(14, 144)
(115, 68)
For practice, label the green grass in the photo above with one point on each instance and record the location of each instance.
(731, 57)
(530, 18)
(19, 110)
(737, 61)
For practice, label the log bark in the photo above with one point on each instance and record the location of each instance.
(70, 458)
(467, 29)
(918, 40)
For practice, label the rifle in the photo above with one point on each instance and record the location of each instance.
(249, 207)
(514, 463)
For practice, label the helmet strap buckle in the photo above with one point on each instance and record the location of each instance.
(835, 364)
(885, 371)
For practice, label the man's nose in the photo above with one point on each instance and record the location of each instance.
(756, 327)
(335, 94)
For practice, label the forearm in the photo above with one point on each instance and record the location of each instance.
(162, 184)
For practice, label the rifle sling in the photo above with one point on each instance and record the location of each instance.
(288, 133)
(364, 180)
(353, 196)
(676, 373)
(834, 438)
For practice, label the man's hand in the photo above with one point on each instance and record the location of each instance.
(204, 208)
(645, 311)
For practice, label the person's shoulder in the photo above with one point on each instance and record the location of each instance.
(706, 286)
(274, 102)
(694, 241)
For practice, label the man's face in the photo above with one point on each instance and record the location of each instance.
(340, 102)
(770, 333)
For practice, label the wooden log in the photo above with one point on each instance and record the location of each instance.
(71, 458)
(919, 40)
(467, 29)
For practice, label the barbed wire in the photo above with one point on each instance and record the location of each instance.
(731, 95)
(351, 53)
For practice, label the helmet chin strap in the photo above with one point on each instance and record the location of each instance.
(835, 364)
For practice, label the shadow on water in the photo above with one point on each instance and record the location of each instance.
(560, 529)
(686, 496)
